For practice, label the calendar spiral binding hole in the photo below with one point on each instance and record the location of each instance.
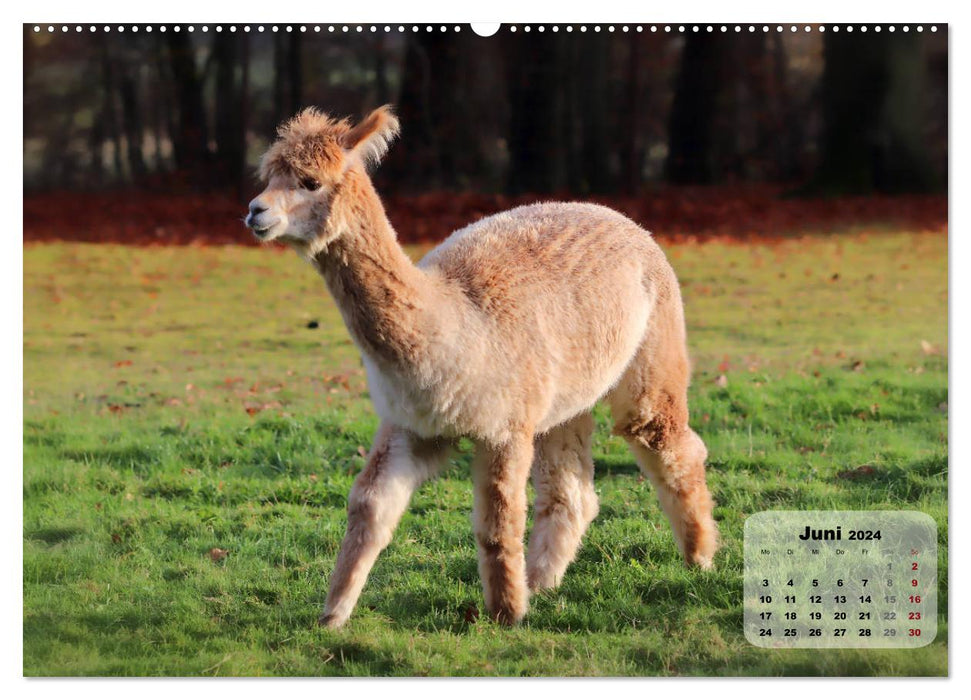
(512, 28)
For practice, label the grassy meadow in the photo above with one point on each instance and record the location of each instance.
(194, 418)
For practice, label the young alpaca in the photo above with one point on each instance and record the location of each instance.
(507, 333)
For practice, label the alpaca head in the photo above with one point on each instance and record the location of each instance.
(305, 166)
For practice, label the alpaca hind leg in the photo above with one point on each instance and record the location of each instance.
(676, 468)
(397, 464)
(566, 502)
(650, 409)
(499, 475)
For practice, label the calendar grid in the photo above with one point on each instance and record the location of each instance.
(840, 579)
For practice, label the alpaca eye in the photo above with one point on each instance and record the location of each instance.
(309, 183)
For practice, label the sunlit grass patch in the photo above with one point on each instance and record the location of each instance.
(194, 418)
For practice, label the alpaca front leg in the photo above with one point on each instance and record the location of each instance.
(398, 463)
(500, 474)
(566, 501)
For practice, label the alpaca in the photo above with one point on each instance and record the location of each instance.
(507, 333)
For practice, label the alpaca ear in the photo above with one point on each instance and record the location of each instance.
(369, 140)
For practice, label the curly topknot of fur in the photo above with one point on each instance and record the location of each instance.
(314, 144)
(309, 144)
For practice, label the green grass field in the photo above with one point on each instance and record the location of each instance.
(189, 442)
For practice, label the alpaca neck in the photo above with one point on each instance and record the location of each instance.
(384, 299)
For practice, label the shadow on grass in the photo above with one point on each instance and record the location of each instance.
(910, 482)
(140, 460)
(621, 465)
(38, 434)
(54, 535)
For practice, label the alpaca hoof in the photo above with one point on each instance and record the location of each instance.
(507, 618)
(701, 547)
(539, 581)
(509, 615)
(704, 556)
(331, 621)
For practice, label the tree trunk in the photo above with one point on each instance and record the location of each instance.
(414, 161)
(573, 117)
(595, 104)
(437, 107)
(382, 91)
(904, 165)
(689, 158)
(160, 100)
(280, 101)
(873, 113)
(132, 119)
(631, 155)
(785, 135)
(288, 76)
(228, 142)
(243, 126)
(190, 140)
(109, 116)
(534, 117)
(295, 73)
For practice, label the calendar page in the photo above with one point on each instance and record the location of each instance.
(839, 579)
(614, 342)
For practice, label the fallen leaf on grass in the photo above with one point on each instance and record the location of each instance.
(341, 379)
(123, 363)
(929, 349)
(253, 409)
(861, 472)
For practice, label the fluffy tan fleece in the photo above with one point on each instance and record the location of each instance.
(507, 333)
